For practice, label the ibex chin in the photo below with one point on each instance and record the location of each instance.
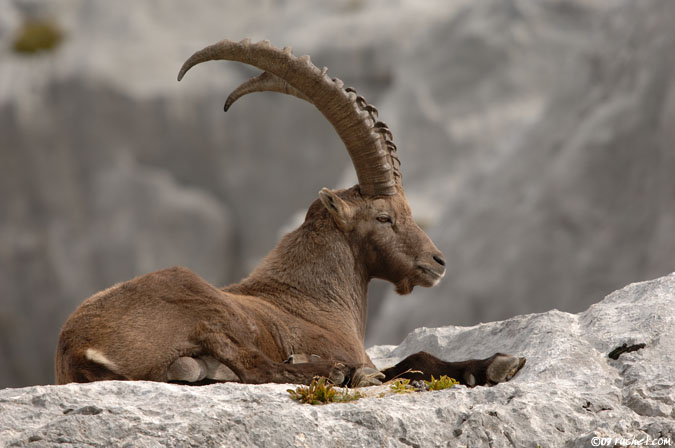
(302, 311)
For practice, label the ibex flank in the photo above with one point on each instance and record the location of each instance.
(302, 311)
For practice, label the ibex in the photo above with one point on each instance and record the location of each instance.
(302, 312)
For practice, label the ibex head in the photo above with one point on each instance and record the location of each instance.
(382, 229)
(374, 215)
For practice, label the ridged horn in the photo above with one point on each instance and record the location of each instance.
(266, 82)
(367, 141)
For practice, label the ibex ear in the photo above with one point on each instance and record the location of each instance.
(341, 211)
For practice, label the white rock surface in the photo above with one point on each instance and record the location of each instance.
(536, 139)
(568, 393)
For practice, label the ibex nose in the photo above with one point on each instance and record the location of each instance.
(439, 259)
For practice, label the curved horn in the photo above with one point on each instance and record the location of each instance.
(266, 82)
(367, 141)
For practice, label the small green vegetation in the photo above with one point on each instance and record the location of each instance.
(37, 35)
(321, 391)
(401, 386)
(444, 382)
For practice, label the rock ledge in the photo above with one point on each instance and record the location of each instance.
(569, 392)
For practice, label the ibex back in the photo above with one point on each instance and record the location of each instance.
(302, 311)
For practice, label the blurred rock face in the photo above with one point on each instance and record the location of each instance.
(536, 141)
(553, 157)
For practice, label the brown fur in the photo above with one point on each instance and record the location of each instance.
(309, 295)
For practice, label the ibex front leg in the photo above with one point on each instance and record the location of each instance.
(360, 377)
(475, 372)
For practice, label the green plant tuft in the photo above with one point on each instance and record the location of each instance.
(320, 391)
(401, 386)
(444, 382)
(37, 35)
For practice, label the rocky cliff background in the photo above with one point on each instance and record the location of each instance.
(537, 142)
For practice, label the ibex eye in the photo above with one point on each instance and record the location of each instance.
(384, 218)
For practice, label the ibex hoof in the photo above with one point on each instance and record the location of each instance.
(187, 369)
(366, 376)
(503, 368)
(337, 375)
(217, 371)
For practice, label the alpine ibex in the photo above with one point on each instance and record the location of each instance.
(302, 312)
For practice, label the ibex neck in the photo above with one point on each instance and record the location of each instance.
(313, 272)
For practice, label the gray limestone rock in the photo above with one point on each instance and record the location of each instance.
(569, 394)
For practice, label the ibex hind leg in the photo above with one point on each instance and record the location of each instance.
(252, 366)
